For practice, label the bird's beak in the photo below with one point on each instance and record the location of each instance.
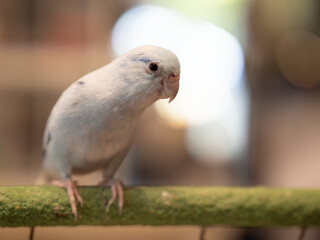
(170, 87)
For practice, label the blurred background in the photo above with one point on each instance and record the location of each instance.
(247, 113)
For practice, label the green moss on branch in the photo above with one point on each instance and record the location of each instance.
(250, 207)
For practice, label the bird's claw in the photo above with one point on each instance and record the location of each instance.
(117, 191)
(73, 194)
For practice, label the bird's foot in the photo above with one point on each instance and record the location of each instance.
(73, 194)
(117, 191)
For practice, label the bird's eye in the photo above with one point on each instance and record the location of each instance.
(153, 67)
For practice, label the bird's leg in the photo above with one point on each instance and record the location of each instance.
(73, 194)
(117, 191)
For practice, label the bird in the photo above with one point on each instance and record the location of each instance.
(91, 126)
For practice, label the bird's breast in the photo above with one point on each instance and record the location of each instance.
(93, 150)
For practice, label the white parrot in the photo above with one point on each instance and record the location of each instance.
(92, 124)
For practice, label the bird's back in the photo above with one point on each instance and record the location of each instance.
(87, 128)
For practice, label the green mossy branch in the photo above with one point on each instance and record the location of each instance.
(156, 206)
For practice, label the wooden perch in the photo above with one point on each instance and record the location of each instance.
(248, 207)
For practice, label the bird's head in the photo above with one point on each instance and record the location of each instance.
(154, 69)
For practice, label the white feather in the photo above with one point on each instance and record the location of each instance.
(92, 124)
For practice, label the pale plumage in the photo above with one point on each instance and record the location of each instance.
(92, 124)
